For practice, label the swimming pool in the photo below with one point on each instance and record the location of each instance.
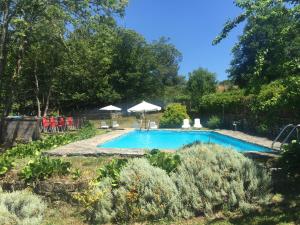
(173, 140)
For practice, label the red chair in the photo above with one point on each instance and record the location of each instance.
(70, 122)
(53, 124)
(45, 124)
(61, 124)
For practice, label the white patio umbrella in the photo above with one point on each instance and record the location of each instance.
(110, 109)
(144, 107)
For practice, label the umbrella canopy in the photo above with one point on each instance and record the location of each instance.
(144, 107)
(110, 108)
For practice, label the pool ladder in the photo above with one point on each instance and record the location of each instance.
(294, 128)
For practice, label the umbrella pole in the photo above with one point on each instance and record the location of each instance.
(145, 120)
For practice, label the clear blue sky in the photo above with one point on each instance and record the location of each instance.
(191, 25)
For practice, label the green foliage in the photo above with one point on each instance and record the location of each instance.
(269, 47)
(214, 122)
(290, 158)
(36, 147)
(166, 161)
(6, 163)
(43, 168)
(212, 178)
(231, 101)
(145, 193)
(200, 82)
(97, 201)
(112, 171)
(173, 116)
(20, 208)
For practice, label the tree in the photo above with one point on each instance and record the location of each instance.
(270, 45)
(200, 82)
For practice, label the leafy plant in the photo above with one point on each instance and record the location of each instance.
(36, 147)
(43, 168)
(6, 163)
(97, 201)
(166, 161)
(112, 170)
(214, 122)
(289, 160)
(76, 174)
(173, 116)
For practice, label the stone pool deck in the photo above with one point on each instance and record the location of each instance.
(248, 138)
(89, 147)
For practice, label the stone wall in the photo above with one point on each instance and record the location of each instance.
(53, 190)
(20, 130)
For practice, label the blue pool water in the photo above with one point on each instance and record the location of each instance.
(163, 139)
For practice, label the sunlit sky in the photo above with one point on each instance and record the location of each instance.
(191, 25)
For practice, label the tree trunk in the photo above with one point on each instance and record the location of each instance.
(47, 102)
(3, 38)
(37, 90)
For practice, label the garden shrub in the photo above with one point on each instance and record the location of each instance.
(145, 193)
(289, 160)
(166, 161)
(173, 116)
(97, 200)
(231, 101)
(214, 122)
(112, 170)
(43, 168)
(20, 208)
(212, 178)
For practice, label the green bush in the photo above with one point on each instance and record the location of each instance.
(145, 193)
(173, 116)
(289, 160)
(214, 122)
(233, 101)
(6, 163)
(97, 201)
(166, 161)
(43, 168)
(211, 178)
(20, 208)
(112, 171)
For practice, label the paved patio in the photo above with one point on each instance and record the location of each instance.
(89, 147)
(248, 138)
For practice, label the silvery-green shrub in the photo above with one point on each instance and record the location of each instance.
(145, 193)
(21, 208)
(103, 209)
(212, 178)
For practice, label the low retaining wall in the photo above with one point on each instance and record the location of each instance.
(51, 190)
(20, 130)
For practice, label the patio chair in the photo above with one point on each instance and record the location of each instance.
(186, 124)
(53, 124)
(197, 123)
(115, 124)
(103, 125)
(45, 124)
(61, 124)
(153, 125)
(70, 122)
